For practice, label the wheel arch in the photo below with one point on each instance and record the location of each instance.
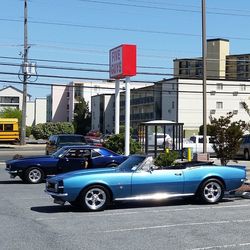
(36, 166)
(219, 178)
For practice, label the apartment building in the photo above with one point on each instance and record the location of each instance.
(103, 113)
(178, 100)
(182, 101)
(62, 101)
(220, 64)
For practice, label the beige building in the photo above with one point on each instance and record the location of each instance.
(220, 64)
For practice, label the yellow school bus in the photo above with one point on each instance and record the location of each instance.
(9, 129)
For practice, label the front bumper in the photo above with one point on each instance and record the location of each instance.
(13, 173)
(54, 194)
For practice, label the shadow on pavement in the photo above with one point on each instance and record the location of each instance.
(12, 182)
(125, 205)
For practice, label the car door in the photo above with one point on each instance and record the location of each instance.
(157, 181)
(74, 159)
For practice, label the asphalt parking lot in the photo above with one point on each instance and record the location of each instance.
(30, 220)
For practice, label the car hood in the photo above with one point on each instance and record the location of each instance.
(31, 158)
(96, 171)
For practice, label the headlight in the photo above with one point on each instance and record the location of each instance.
(59, 186)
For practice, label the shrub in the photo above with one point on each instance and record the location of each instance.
(28, 131)
(166, 159)
(44, 130)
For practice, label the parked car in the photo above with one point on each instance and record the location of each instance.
(93, 141)
(244, 151)
(138, 179)
(68, 158)
(195, 142)
(57, 141)
(160, 139)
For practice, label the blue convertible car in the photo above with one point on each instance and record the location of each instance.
(138, 179)
(68, 158)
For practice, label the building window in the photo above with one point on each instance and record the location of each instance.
(219, 105)
(219, 86)
(172, 105)
(243, 87)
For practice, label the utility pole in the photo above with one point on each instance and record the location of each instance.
(204, 59)
(25, 74)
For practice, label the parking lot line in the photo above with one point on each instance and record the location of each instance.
(203, 223)
(223, 246)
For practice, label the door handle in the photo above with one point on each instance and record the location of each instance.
(178, 174)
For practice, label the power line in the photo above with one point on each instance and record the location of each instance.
(124, 29)
(162, 8)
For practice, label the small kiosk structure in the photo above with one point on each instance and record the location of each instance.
(160, 135)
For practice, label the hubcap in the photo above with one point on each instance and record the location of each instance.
(35, 175)
(95, 198)
(212, 191)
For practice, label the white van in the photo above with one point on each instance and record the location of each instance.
(196, 143)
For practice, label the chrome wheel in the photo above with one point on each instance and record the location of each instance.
(95, 198)
(34, 175)
(212, 191)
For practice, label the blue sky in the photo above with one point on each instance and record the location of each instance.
(85, 30)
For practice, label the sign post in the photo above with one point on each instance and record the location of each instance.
(122, 64)
(117, 105)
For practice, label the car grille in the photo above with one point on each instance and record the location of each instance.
(50, 186)
(7, 167)
(56, 187)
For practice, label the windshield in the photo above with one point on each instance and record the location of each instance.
(59, 152)
(132, 163)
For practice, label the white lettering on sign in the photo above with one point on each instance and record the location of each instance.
(116, 62)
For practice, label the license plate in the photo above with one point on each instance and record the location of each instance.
(60, 202)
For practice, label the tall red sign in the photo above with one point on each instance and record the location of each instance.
(122, 61)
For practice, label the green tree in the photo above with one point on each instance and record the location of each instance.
(228, 135)
(210, 130)
(82, 117)
(116, 143)
(11, 113)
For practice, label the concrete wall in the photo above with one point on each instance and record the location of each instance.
(40, 110)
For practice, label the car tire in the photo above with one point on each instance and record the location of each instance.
(94, 198)
(34, 175)
(75, 204)
(211, 191)
(246, 154)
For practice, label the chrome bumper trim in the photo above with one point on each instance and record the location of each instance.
(12, 171)
(56, 194)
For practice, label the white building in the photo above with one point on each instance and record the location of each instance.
(178, 100)
(103, 113)
(61, 103)
(182, 101)
(12, 97)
